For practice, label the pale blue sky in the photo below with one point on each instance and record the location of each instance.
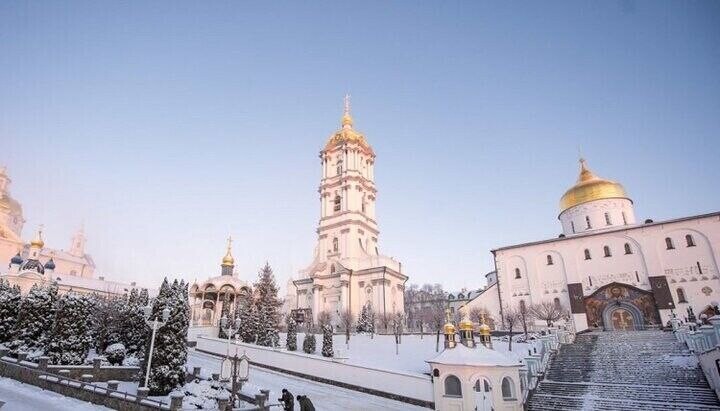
(164, 126)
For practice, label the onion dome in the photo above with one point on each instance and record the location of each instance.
(50, 265)
(590, 187)
(347, 134)
(466, 324)
(38, 242)
(228, 260)
(449, 328)
(484, 329)
(17, 259)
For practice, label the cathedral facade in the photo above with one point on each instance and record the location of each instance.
(31, 263)
(609, 270)
(348, 271)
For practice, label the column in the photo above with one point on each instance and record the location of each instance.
(316, 301)
(344, 304)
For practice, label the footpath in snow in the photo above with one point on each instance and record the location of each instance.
(24, 397)
(323, 396)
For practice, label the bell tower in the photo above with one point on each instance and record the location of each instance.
(347, 227)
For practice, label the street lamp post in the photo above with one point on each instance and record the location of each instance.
(230, 327)
(154, 324)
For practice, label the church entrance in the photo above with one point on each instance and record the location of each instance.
(622, 307)
(622, 320)
(483, 395)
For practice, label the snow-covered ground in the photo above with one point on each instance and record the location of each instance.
(379, 352)
(24, 397)
(323, 396)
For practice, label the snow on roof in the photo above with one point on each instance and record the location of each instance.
(478, 356)
(92, 283)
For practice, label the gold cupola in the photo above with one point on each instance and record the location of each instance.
(347, 134)
(466, 331)
(228, 262)
(484, 331)
(590, 187)
(449, 331)
(37, 242)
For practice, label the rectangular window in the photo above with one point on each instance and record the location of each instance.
(699, 268)
(572, 226)
(624, 218)
(607, 219)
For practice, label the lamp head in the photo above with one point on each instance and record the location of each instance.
(166, 314)
(147, 311)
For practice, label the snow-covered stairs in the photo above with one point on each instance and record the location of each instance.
(634, 370)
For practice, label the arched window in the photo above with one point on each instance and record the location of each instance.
(669, 243)
(482, 387)
(549, 260)
(624, 218)
(508, 389)
(606, 251)
(452, 386)
(556, 301)
(607, 219)
(587, 254)
(338, 200)
(336, 246)
(517, 273)
(681, 295)
(690, 240)
(587, 222)
(339, 168)
(628, 250)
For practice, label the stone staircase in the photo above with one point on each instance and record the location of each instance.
(632, 370)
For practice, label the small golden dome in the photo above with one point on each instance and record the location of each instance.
(590, 187)
(466, 325)
(228, 260)
(449, 329)
(347, 134)
(37, 242)
(484, 329)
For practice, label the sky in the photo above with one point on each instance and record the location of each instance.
(164, 127)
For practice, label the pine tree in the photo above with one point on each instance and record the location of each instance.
(9, 307)
(35, 319)
(309, 343)
(71, 334)
(327, 348)
(291, 339)
(224, 313)
(135, 331)
(168, 366)
(268, 306)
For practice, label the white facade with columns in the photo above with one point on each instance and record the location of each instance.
(624, 268)
(348, 271)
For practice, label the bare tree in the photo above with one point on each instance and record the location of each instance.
(511, 316)
(385, 320)
(323, 318)
(525, 316)
(477, 314)
(548, 311)
(435, 318)
(346, 320)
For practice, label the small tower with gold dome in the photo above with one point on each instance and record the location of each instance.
(484, 333)
(228, 262)
(466, 332)
(594, 203)
(449, 331)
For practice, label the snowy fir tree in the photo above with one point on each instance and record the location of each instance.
(309, 343)
(291, 339)
(268, 306)
(71, 334)
(143, 299)
(134, 330)
(224, 313)
(107, 321)
(327, 348)
(9, 307)
(168, 365)
(249, 323)
(35, 319)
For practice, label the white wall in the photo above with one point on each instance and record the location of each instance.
(416, 386)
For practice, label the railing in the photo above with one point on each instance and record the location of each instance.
(698, 338)
(538, 358)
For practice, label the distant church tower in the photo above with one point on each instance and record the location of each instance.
(77, 248)
(228, 262)
(347, 228)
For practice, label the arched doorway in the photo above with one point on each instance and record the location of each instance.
(622, 307)
(483, 394)
(621, 320)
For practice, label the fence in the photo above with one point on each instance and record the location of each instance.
(703, 341)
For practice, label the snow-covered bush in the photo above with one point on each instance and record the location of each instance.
(35, 320)
(291, 340)
(203, 394)
(327, 348)
(9, 306)
(309, 343)
(115, 353)
(71, 334)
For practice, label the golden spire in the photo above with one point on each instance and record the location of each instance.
(585, 173)
(38, 242)
(449, 328)
(228, 260)
(347, 120)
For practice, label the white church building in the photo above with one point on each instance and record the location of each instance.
(610, 270)
(348, 271)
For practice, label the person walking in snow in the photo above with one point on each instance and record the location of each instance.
(287, 400)
(305, 403)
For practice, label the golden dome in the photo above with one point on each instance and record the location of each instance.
(347, 134)
(228, 260)
(449, 328)
(466, 324)
(484, 329)
(38, 241)
(9, 203)
(590, 187)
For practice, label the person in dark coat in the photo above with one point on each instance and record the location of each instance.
(305, 403)
(287, 400)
